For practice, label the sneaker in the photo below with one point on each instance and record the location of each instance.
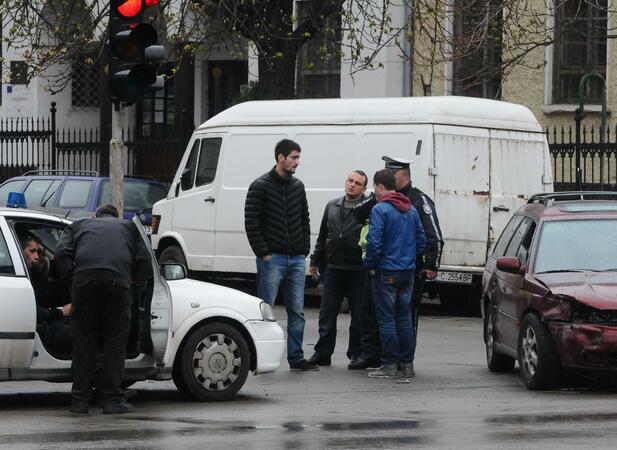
(117, 407)
(386, 371)
(407, 370)
(363, 363)
(319, 360)
(303, 364)
(79, 407)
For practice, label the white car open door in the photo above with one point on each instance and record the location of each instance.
(17, 303)
(160, 307)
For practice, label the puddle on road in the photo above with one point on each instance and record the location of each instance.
(530, 419)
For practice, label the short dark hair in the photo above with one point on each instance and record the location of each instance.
(285, 147)
(362, 174)
(106, 210)
(386, 178)
(29, 238)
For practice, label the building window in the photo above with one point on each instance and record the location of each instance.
(19, 72)
(580, 48)
(477, 47)
(85, 80)
(319, 60)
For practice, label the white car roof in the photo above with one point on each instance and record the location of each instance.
(446, 110)
(30, 214)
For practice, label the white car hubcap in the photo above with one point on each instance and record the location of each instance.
(216, 362)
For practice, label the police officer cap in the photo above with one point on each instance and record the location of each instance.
(396, 163)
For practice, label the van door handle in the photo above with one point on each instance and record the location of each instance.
(500, 208)
(209, 199)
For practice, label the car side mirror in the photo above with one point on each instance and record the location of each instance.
(172, 271)
(186, 179)
(510, 264)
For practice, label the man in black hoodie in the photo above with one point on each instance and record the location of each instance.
(276, 219)
(337, 249)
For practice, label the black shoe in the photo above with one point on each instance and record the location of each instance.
(117, 407)
(303, 364)
(316, 359)
(98, 401)
(363, 363)
(79, 407)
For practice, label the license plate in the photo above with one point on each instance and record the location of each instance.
(455, 277)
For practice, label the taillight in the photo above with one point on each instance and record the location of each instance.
(156, 220)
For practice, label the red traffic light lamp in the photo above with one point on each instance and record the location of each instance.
(128, 8)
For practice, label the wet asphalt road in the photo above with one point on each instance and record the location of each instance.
(453, 402)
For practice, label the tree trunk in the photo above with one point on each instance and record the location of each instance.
(277, 76)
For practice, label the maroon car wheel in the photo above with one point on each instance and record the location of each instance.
(538, 359)
(496, 362)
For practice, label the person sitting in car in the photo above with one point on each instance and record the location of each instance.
(52, 323)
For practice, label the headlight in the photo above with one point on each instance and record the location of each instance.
(267, 312)
(584, 314)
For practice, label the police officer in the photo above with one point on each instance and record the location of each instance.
(106, 258)
(426, 267)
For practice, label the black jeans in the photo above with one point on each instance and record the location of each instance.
(339, 283)
(371, 344)
(101, 316)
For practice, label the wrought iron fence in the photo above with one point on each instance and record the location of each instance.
(598, 160)
(36, 143)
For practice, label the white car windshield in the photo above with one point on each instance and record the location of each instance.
(577, 246)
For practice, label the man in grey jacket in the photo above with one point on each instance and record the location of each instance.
(338, 251)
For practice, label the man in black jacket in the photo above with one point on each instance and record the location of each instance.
(106, 258)
(337, 249)
(276, 219)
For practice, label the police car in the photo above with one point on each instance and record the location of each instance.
(203, 336)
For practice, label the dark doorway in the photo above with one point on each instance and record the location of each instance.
(224, 81)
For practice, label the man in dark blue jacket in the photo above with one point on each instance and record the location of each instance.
(394, 239)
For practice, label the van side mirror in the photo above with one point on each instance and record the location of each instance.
(510, 264)
(186, 180)
(172, 271)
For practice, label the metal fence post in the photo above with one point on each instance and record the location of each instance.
(53, 135)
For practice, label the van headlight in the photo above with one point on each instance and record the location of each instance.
(267, 312)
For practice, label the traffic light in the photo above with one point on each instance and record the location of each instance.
(133, 51)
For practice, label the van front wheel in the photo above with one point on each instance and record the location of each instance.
(173, 254)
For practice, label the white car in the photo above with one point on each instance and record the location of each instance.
(206, 337)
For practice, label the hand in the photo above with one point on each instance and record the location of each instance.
(372, 272)
(430, 274)
(66, 310)
(314, 271)
(266, 258)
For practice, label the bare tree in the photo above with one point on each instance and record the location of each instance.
(487, 39)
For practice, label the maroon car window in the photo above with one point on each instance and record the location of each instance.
(506, 235)
(577, 245)
(517, 239)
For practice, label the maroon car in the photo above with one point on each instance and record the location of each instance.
(550, 289)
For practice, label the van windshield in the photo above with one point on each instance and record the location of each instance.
(137, 196)
(577, 245)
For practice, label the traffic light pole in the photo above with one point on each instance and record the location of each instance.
(116, 158)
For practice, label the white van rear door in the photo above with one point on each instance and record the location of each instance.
(519, 169)
(462, 193)
(160, 306)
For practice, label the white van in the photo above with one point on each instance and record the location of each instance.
(478, 159)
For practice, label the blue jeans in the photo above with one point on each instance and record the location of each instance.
(287, 273)
(392, 297)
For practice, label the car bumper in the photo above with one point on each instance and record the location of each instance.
(586, 346)
(269, 342)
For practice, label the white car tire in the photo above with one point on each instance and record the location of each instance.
(213, 363)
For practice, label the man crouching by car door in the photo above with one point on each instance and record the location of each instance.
(106, 258)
